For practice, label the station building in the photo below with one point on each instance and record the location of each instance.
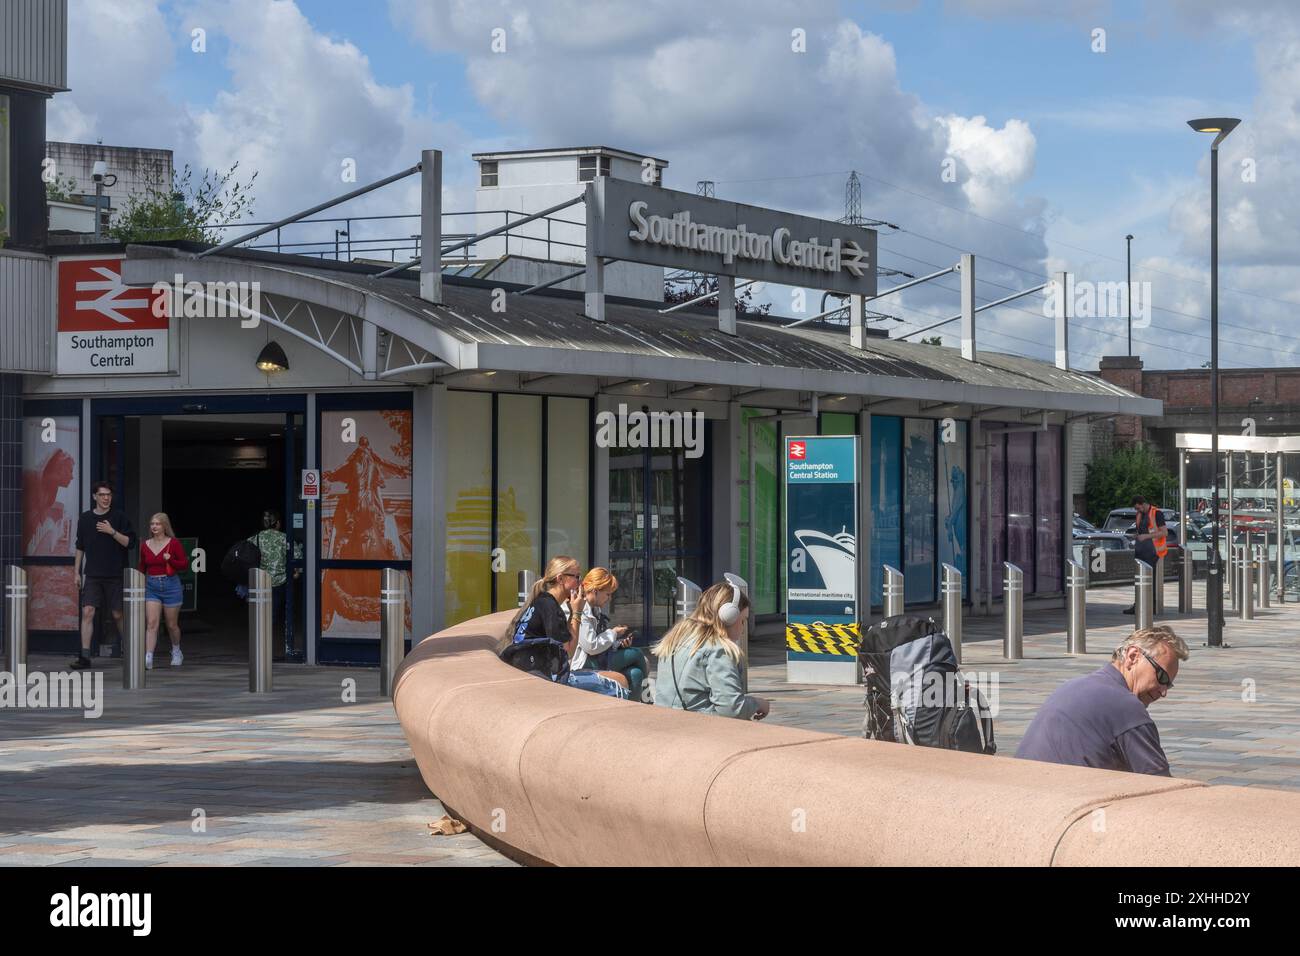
(455, 435)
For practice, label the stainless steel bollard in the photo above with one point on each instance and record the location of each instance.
(392, 627)
(526, 581)
(950, 593)
(1143, 579)
(259, 631)
(1013, 611)
(1186, 578)
(1246, 587)
(891, 592)
(740, 584)
(1261, 571)
(15, 620)
(1234, 584)
(1076, 595)
(133, 584)
(686, 598)
(1158, 588)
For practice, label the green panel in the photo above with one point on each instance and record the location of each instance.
(768, 566)
(838, 423)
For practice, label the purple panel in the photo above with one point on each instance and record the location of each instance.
(1020, 504)
(1048, 518)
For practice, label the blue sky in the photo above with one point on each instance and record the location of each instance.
(1075, 147)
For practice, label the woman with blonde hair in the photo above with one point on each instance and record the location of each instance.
(161, 559)
(699, 659)
(543, 635)
(607, 650)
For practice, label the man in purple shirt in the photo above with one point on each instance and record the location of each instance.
(1101, 719)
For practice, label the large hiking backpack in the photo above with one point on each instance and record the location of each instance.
(915, 692)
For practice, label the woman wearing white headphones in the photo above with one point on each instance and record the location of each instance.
(699, 659)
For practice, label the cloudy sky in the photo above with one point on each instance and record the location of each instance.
(1035, 134)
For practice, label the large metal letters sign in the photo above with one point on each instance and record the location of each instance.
(821, 494)
(678, 230)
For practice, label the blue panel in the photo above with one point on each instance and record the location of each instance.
(952, 500)
(918, 511)
(886, 498)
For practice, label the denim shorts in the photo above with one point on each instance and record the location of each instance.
(590, 680)
(164, 588)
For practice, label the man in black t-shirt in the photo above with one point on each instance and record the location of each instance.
(105, 539)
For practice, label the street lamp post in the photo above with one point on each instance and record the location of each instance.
(1221, 126)
(1128, 241)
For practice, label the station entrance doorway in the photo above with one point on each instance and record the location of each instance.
(216, 473)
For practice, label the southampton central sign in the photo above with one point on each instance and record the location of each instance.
(680, 230)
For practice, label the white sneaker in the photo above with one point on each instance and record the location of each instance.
(177, 657)
(148, 662)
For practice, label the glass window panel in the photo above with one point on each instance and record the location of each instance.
(1020, 504)
(886, 498)
(468, 506)
(568, 478)
(627, 606)
(1048, 511)
(952, 499)
(838, 423)
(519, 491)
(918, 510)
(4, 165)
(626, 500)
(768, 564)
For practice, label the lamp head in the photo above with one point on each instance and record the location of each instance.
(1221, 125)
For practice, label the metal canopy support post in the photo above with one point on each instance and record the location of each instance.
(1230, 534)
(727, 305)
(1280, 568)
(1063, 323)
(857, 321)
(1142, 607)
(1013, 610)
(16, 621)
(259, 631)
(950, 589)
(594, 294)
(1076, 590)
(133, 584)
(431, 225)
(1186, 572)
(967, 269)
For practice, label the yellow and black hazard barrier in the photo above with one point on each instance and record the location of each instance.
(819, 638)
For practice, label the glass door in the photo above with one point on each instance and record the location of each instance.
(658, 530)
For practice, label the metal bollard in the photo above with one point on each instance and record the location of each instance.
(739, 583)
(16, 620)
(1158, 588)
(259, 631)
(392, 627)
(526, 581)
(1234, 578)
(1013, 610)
(891, 592)
(133, 584)
(1076, 593)
(1142, 582)
(1261, 568)
(950, 591)
(686, 598)
(1246, 586)
(1186, 577)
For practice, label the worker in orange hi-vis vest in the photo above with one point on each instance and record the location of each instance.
(1152, 539)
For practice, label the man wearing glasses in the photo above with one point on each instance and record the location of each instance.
(1101, 719)
(104, 542)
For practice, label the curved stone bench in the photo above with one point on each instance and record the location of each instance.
(558, 775)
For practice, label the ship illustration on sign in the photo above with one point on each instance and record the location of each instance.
(835, 557)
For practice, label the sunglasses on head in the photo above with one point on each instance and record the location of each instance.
(1162, 675)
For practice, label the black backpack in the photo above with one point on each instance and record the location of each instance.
(539, 656)
(242, 556)
(916, 694)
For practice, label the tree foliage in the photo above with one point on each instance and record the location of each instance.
(675, 293)
(1115, 479)
(61, 189)
(185, 209)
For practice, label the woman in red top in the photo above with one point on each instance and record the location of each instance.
(161, 559)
